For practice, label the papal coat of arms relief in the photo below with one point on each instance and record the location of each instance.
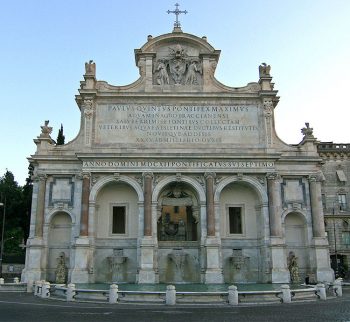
(177, 68)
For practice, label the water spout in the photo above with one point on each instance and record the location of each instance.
(179, 257)
(116, 264)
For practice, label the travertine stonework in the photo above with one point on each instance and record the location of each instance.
(177, 178)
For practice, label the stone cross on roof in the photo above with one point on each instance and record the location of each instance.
(177, 12)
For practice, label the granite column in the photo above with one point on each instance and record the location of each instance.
(83, 267)
(319, 259)
(147, 265)
(213, 269)
(210, 204)
(84, 221)
(148, 179)
(275, 205)
(316, 207)
(279, 271)
(40, 209)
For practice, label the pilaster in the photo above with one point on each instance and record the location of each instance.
(40, 209)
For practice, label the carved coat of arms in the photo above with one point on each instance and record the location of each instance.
(178, 68)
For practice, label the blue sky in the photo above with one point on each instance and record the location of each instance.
(44, 45)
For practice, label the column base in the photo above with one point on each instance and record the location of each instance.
(80, 276)
(323, 270)
(213, 272)
(213, 276)
(280, 276)
(32, 275)
(279, 271)
(325, 275)
(147, 277)
(83, 268)
(147, 273)
(33, 270)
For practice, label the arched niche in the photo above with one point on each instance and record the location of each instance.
(295, 228)
(59, 242)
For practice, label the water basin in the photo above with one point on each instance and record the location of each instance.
(187, 287)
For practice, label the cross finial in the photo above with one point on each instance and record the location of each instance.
(177, 12)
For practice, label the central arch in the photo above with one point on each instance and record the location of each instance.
(178, 225)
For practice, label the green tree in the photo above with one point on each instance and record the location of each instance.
(27, 192)
(60, 136)
(12, 198)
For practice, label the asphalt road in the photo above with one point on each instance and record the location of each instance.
(27, 308)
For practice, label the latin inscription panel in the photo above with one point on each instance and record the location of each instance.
(171, 165)
(176, 124)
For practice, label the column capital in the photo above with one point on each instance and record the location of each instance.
(315, 177)
(147, 181)
(209, 175)
(273, 176)
(147, 175)
(40, 177)
(85, 175)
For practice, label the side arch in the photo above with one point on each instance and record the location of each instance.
(105, 180)
(257, 186)
(51, 214)
(300, 212)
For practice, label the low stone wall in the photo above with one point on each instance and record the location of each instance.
(172, 297)
(232, 296)
(15, 286)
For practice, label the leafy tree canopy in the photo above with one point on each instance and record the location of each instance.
(16, 202)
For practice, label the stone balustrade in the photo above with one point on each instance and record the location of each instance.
(171, 296)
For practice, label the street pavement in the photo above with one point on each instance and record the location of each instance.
(23, 307)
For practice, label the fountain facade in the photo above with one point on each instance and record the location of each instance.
(176, 160)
